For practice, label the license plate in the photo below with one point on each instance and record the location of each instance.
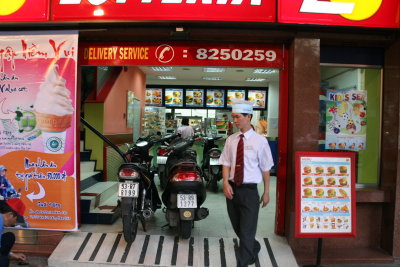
(187, 201)
(214, 161)
(128, 190)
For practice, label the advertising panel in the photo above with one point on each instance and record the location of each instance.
(181, 54)
(173, 97)
(154, 97)
(234, 94)
(346, 119)
(325, 194)
(171, 10)
(215, 98)
(38, 126)
(378, 13)
(194, 98)
(259, 98)
(24, 10)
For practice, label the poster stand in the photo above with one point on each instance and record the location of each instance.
(319, 254)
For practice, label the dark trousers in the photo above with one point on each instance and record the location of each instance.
(7, 242)
(243, 212)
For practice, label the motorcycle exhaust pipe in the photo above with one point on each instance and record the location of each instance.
(201, 214)
(147, 213)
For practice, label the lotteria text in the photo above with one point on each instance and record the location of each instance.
(218, 2)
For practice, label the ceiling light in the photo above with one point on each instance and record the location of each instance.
(98, 12)
(161, 68)
(255, 79)
(264, 71)
(212, 78)
(166, 77)
(214, 69)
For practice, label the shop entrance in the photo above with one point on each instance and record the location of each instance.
(163, 95)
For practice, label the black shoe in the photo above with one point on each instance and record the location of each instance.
(257, 249)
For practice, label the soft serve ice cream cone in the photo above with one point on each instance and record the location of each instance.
(53, 109)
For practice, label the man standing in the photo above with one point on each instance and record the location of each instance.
(185, 130)
(246, 161)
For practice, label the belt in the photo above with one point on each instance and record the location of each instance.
(250, 186)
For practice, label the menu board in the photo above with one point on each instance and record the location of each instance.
(194, 98)
(173, 97)
(325, 194)
(215, 98)
(234, 94)
(258, 96)
(154, 97)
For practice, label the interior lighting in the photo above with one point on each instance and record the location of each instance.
(166, 77)
(214, 69)
(264, 71)
(161, 68)
(98, 12)
(212, 78)
(255, 79)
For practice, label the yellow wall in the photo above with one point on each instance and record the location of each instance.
(94, 114)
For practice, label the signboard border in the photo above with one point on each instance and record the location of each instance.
(352, 157)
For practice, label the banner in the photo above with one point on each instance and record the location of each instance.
(356, 13)
(182, 54)
(164, 10)
(325, 194)
(346, 119)
(37, 127)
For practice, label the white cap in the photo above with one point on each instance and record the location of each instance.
(242, 106)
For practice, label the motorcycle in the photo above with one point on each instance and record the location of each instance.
(185, 191)
(162, 158)
(137, 190)
(211, 167)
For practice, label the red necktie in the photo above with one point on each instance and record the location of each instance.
(239, 167)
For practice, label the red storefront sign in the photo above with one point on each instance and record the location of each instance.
(181, 54)
(189, 10)
(358, 13)
(24, 10)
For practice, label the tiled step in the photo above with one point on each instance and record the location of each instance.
(107, 212)
(97, 195)
(85, 155)
(110, 249)
(87, 166)
(90, 178)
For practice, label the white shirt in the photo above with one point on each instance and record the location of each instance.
(185, 131)
(257, 156)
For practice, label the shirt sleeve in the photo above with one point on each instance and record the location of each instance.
(266, 161)
(225, 158)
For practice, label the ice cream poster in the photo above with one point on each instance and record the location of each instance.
(346, 119)
(37, 128)
(325, 193)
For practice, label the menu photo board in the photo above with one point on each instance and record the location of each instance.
(325, 194)
(215, 98)
(154, 97)
(173, 97)
(259, 97)
(234, 94)
(194, 98)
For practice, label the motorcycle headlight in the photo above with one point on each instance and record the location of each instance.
(128, 173)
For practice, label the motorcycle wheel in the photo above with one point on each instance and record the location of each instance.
(214, 184)
(185, 229)
(130, 224)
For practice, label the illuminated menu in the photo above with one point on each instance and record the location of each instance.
(234, 94)
(258, 96)
(154, 97)
(194, 98)
(173, 97)
(215, 98)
